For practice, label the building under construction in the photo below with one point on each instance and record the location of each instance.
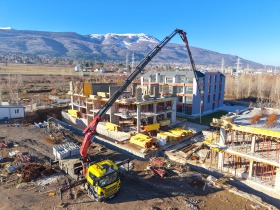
(248, 151)
(142, 106)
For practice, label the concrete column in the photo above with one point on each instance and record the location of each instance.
(277, 180)
(157, 76)
(138, 118)
(221, 144)
(79, 101)
(165, 113)
(221, 161)
(155, 111)
(253, 143)
(72, 101)
(113, 118)
(184, 97)
(142, 80)
(173, 113)
(222, 141)
(251, 169)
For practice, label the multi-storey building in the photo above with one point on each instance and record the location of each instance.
(133, 110)
(183, 85)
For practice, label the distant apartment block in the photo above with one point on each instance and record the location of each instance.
(183, 85)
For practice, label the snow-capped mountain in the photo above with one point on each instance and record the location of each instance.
(5, 28)
(122, 39)
(104, 47)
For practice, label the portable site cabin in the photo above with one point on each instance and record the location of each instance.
(11, 112)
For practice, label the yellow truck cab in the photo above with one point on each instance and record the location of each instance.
(103, 180)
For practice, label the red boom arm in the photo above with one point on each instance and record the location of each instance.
(90, 130)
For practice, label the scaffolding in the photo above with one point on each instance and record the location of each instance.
(250, 153)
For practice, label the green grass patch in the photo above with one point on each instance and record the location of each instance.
(207, 119)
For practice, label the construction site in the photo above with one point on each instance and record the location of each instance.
(122, 145)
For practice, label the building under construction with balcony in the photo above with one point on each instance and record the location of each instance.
(135, 109)
(183, 85)
(248, 150)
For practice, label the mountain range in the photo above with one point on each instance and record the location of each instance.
(111, 47)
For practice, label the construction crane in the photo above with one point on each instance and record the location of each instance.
(90, 130)
(99, 176)
(183, 36)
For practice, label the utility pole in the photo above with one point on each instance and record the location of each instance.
(222, 66)
(132, 62)
(126, 62)
(237, 76)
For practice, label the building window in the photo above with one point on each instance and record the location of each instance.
(169, 80)
(189, 81)
(153, 78)
(189, 100)
(188, 110)
(214, 97)
(179, 108)
(16, 111)
(180, 99)
(171, 89)
(215, 78)
(161, 78)
(189, 90)
(208, 99)
(180, 89)
(181, 79)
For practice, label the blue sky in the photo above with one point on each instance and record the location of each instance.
(248, 28)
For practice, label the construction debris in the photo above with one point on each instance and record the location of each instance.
(57, 133)
(157, 166)
(191, 203)
(3, 144)
(31, 171)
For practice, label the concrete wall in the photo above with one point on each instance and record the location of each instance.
(100, 87)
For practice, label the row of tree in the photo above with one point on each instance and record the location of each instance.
(262, 89)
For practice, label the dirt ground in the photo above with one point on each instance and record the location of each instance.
(140, 189)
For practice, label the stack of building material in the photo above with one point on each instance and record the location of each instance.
(152, 127)
(66, 150)
(179, 133)
(163, 138)
(173, 136)
(142, 140)
(103, 94)
(116, 136)
(164, 122)
(112, 127)
(186, 132)
(74, 113)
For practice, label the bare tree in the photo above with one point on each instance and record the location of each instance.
(14, 85)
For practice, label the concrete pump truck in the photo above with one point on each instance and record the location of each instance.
(101, 179)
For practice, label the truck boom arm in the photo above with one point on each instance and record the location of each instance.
(90, 130)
